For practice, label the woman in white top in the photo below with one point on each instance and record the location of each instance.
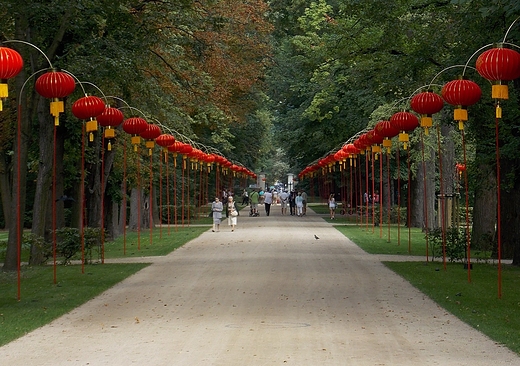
(332, 206)
(216, 209)
(268, 200)
(231, 212)
(299, 204)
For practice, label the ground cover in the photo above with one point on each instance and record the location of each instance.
(474, 299)
(476, 302)
(43, 301)
(163, 241)
(375, 240)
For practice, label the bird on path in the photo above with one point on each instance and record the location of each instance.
(316, 237)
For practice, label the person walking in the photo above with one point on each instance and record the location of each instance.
(284, 198)
(254, 202)
(231, 212)
(332, 206)
(299, 204)
(304, 199)
(245, 198)
(216, 209)
(292, 203)
(268, 200)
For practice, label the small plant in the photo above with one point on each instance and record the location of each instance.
(455, 243)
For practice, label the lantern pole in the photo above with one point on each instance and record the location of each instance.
(442, 198)
(425, 186)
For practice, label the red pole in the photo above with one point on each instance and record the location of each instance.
(373, 191)
(389, 194)
(443, 200)
(426, 224)
(124, 198)
(54, 207)
(468, 239)
(398, 153)
(380, 195)
(150, 215)
(102, 200)
(409, 206)
(499, 230)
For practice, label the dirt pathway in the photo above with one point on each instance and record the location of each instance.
(267, 294)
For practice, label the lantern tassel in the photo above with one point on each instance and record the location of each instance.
(498, 111)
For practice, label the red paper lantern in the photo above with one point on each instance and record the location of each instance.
(55, 85)
(134, 126)
(426, 104)
(150, 133)
(111, 117)
(11, 63)
(404, 122)
(165, 140)
(387, 131)
(460, 168)
(175, 147)
(499, 65)
(461, 93)
(88, 107)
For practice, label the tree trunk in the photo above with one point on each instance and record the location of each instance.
(423, 202)
(483, 236)
(510, 212)
(42, 198)
(5, 189)
(447, 197)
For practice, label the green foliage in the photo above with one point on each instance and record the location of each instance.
(475, 302)
(42, 301)
(68, 244)
(456, 243)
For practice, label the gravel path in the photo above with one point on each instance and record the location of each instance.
(267, 294)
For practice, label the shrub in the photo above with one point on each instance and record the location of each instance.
(455, 243)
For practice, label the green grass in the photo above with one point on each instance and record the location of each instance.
(475, 302)
(158, 246)
(371, 242)
(43, 301)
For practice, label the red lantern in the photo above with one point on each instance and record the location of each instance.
(385, 129)
(426, 104)
(111, 117)
(165, 140)
(11, 63)
(461, 93)
(55, 85)
(89, 107)
(460, 168)
(404, 122)
(499, 65)
(150, 133)
(376, 140)
(134, 126)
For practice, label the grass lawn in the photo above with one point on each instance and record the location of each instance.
(161, 244)
(43, 301)
(475, 302)
(373, 240)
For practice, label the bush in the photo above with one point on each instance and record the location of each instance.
(68, 244)
(455, 243)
